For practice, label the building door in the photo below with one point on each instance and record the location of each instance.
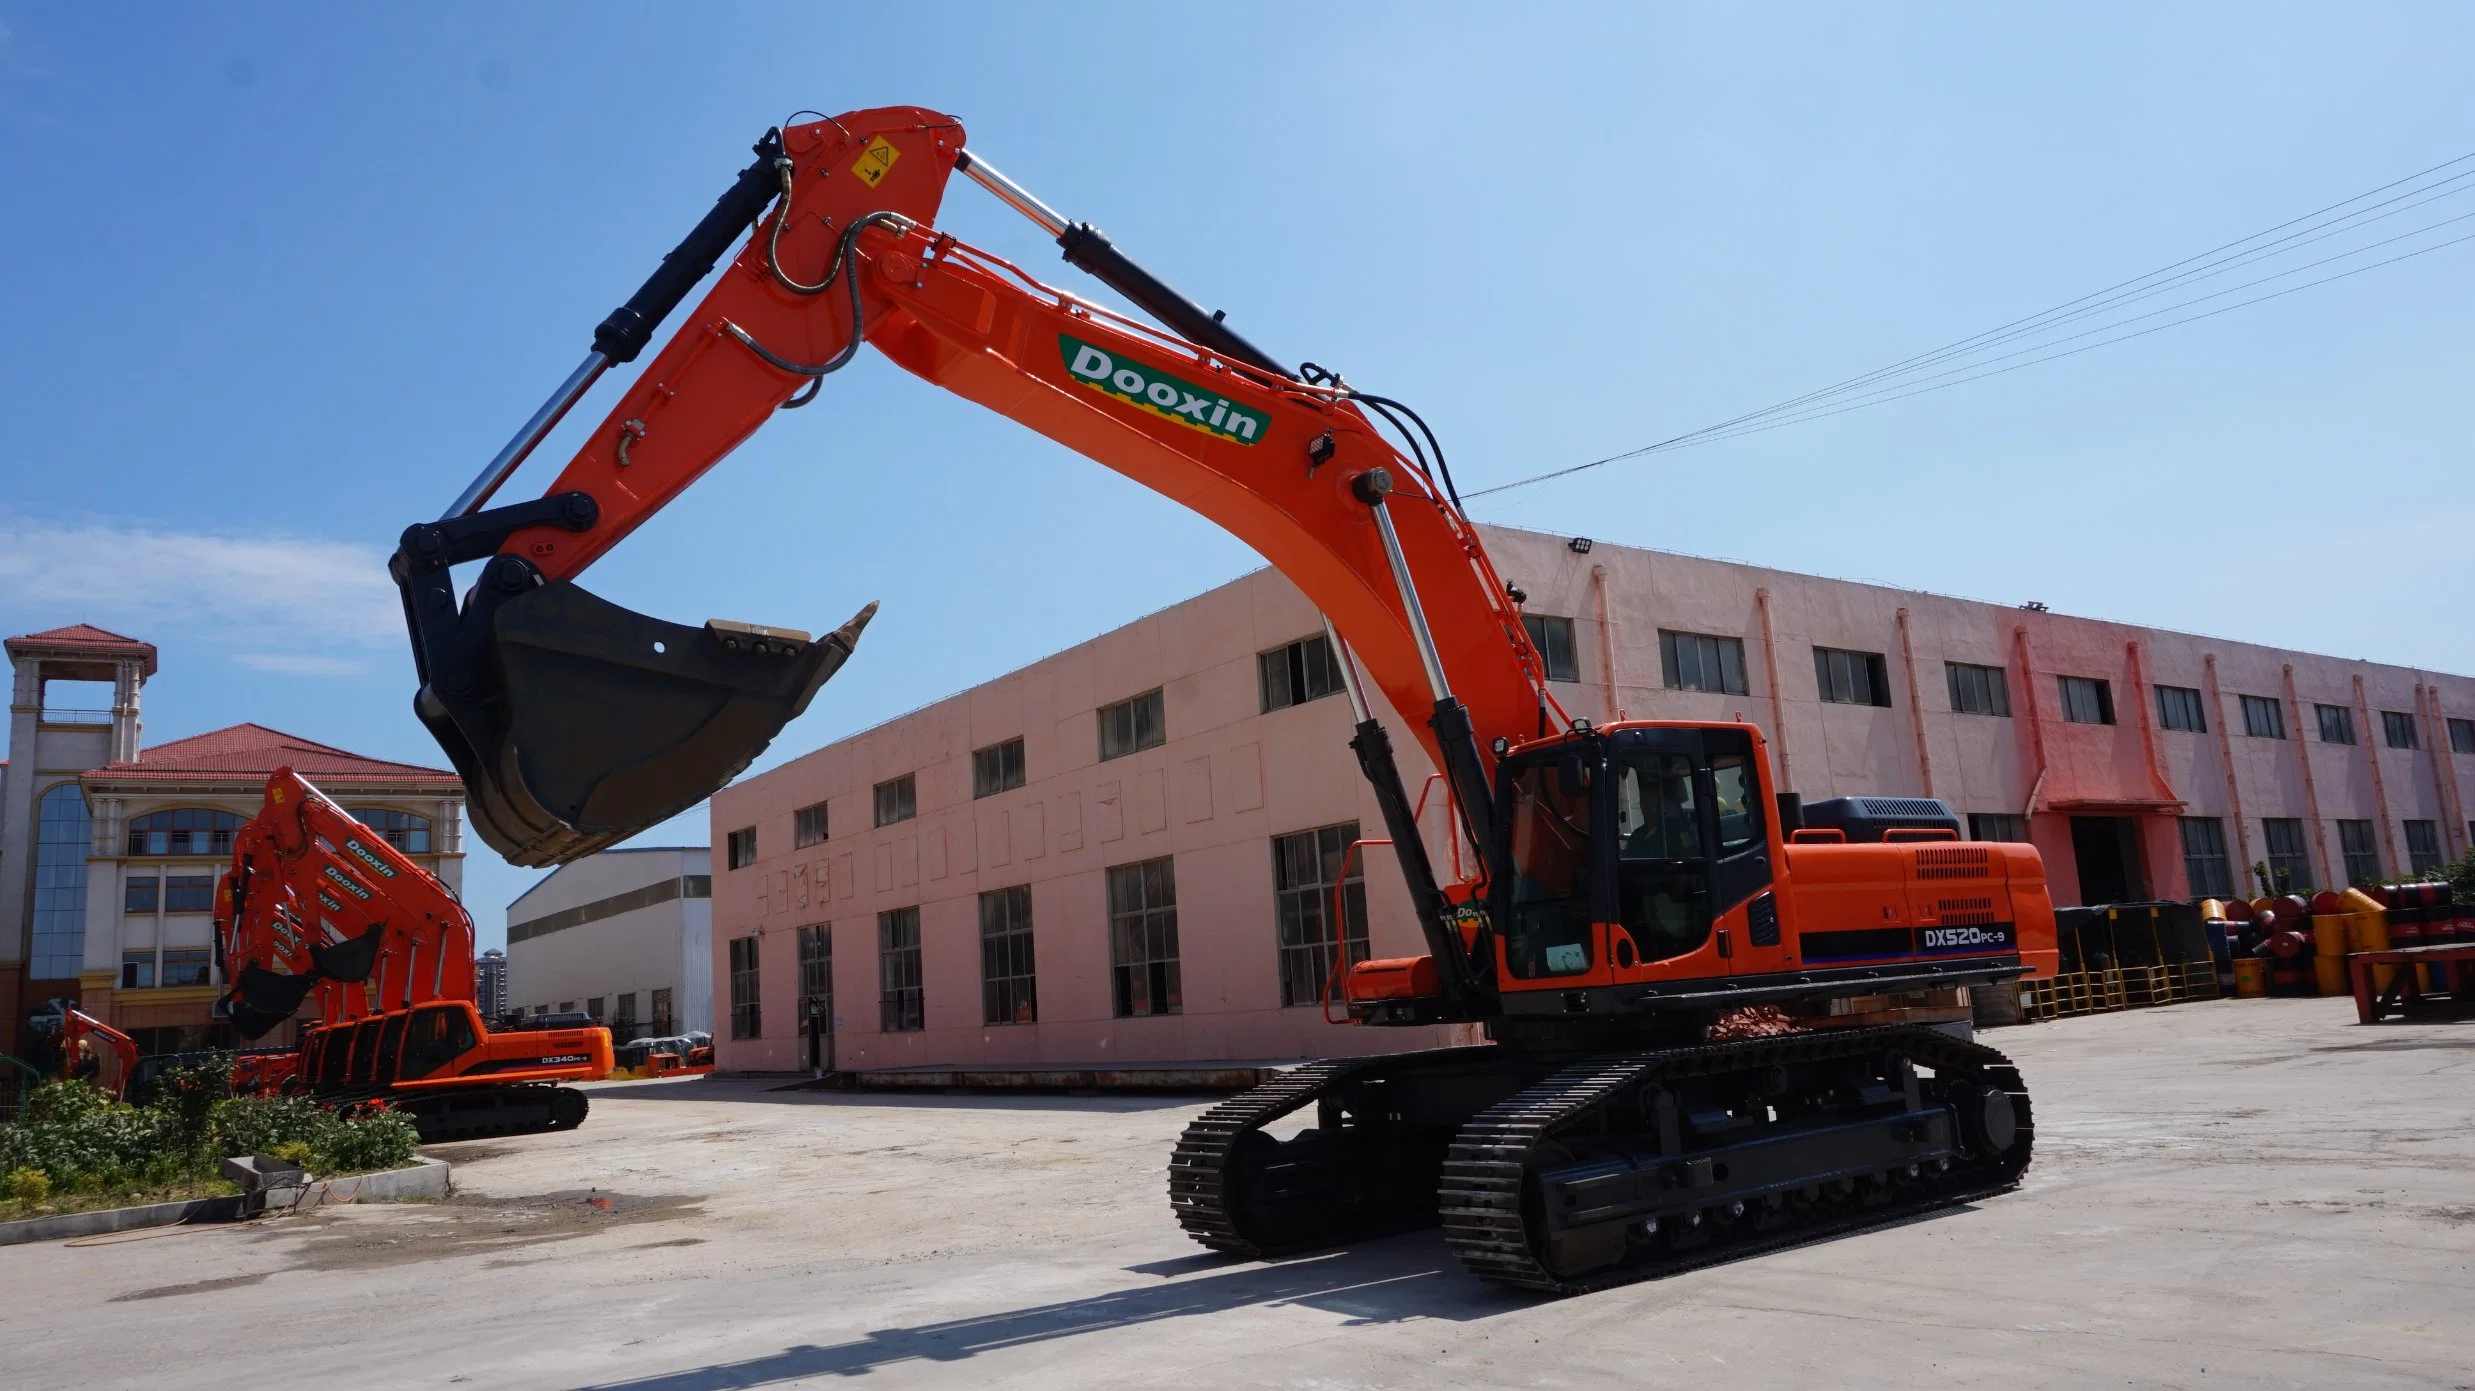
(2106, 851)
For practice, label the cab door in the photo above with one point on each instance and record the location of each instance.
(1743, 870)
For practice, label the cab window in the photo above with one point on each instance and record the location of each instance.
(438, 1036)
(1548, 925)
(1738, 793)
(1662, 866)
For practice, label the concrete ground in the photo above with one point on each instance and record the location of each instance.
(2236, 1194)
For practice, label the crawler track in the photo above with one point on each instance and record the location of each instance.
(1219, 1171)
(1493, 1215)
(1830, 1132)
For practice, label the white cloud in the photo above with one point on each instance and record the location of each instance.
(263, 591)
(301, 664)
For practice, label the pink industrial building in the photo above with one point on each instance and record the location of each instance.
(1124, 853)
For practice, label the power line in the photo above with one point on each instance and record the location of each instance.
(1908, 377)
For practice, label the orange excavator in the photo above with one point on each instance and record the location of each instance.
(1639, 891)
(93, 1049)
(318, 905)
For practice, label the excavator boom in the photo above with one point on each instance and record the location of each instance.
(575, 723)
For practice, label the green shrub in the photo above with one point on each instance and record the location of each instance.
(81, 1139)
(301, 1131)
(26, 1186)
(379, 1137)
(268, 1124)
(187, 1097)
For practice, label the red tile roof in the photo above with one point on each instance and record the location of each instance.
(245, 750)
(80, 635)
(88, 637)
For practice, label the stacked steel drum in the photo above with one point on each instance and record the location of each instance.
(2293, 945)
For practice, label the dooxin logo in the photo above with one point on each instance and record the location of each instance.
(344, 881)
(1172, 398)
(368, 857)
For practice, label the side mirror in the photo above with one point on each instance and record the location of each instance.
(1571, 778)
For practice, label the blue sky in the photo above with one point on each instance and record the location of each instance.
(278, 279)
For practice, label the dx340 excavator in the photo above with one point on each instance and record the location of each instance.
(1634, 882)
(317, 906)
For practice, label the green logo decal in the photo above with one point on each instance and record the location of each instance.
(344, 881)
(368, 857)
(1171, 398)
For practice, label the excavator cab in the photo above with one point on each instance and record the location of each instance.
(1654, 829)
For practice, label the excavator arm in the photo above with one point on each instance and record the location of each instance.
(576, 723)
(317, 903)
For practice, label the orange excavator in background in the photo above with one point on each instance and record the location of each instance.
(86, 1040)
(318, 905)
(1637, 887)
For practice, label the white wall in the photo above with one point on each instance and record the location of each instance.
(634, 952)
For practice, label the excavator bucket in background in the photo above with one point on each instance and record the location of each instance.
(603, 722)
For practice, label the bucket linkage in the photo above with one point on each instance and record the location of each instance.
(576, 723)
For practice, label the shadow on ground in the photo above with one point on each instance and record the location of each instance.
(1390, 1281)
(773, 1092)
(1406, 1277)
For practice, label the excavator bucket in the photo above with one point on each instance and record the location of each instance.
(261, 999)
(605, 722)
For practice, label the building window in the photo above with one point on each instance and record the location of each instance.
(1007, 978)
(183, 831)
(1698, 662)
(2178, 707)
(2462, 736)
(1977, 690)
(1997, 825)
(1143, 938)
(623, 1010)
(597, 1008)
(742, 848)
(401, 829)
(663, 1019)
(186, 966)
(138, 895)
(808, 826)
(1553, 637)
(898, 800)
(747, 1018)
(2263, 717)
(1305, 867)
(189, 893)
(997, 768)
(2337, 724)
(1130, 726)
(2423, 846)
(1851, 678)
(137, 970)
(63, 838)
(2362, 855)
(1304, 670)
(2087, 700)
(2204, 857)
(901, 1002)
(2397, 728)
(2290, 865)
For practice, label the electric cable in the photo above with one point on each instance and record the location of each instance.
(1900, 380)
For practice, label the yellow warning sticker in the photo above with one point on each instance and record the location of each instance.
(875, 160)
